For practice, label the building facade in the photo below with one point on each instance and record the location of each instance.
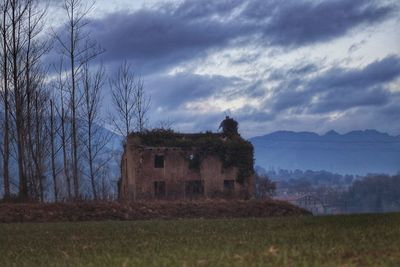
(180, 166)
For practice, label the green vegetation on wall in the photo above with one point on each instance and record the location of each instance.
(233, 151)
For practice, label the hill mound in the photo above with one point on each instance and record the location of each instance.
(99, 211)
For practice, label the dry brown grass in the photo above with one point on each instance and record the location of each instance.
(98, 211)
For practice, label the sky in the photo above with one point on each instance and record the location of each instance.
(300, 65)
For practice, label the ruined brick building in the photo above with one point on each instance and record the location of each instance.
(162, 164)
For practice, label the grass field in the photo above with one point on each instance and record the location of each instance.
(360, 240)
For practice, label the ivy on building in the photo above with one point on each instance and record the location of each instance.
(229, 147)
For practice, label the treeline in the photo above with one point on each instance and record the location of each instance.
(369, 194)
(376, 193)
(53, 145)
(289, 178)
(339, 193)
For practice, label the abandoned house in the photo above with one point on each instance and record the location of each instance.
(162, 164)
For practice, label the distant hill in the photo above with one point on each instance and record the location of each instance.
(357, 152)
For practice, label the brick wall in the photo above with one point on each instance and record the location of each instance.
(143, 180)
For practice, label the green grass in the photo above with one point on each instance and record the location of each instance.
(361, 240)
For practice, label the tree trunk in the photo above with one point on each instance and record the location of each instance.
(23, 185)
(6, 136)
(64, 147)
(53, 154)
(92, 178)
(74, 107)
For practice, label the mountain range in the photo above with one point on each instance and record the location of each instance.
(356, 152)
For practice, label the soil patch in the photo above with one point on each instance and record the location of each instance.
(99, 211)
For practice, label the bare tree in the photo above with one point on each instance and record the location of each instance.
(53, 150)
(41, 141)
(96, 139)
(62, 112)
(35, 98)
(79, 50)
(22, 94)
(4, 28)
(17, 16)
(164, 124)
(264, 187)
(106, 191)
(123, 90)
(142, 102)
(131, 103)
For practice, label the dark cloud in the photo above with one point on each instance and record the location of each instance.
(346, 98)
(194, 9)
(155, 39)
(380, 71)
(251, 114)
(290, 99)
(295, 23)
(171, 91)
(361, 94)
(297, 71)
(390, 114)
(339, 89)
(158, 39)
(188, 120)
(336, 89)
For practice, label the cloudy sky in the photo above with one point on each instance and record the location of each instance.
(303, 65)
